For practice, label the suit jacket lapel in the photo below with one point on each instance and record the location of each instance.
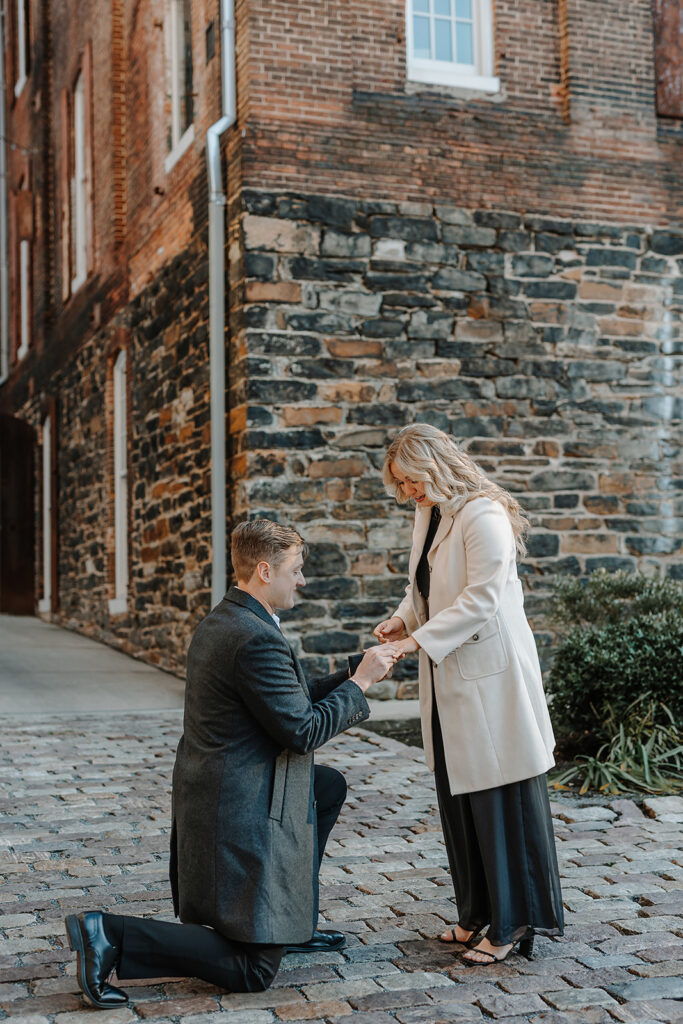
(238, 596)
(241, 597)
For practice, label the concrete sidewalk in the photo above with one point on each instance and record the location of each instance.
(44, 668)
(85, 807)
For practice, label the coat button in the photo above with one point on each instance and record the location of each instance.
(476, 636)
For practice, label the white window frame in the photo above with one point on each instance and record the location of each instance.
(119, 603)
(45, 603)
(478, 77)
(78, 187)
(174, 32)
(24, 311)
(22, 55)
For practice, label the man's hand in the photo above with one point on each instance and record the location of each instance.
(390, 630)
(376, 665)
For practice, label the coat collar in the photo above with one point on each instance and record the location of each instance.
(442, 532)
(237, 596)
(422, 517)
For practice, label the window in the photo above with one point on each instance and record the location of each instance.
(75, 163)
(178, 50)
(78, 187)
(119, 603)
(24, 305)
(450, 42)
(45, 603)
(22, 51)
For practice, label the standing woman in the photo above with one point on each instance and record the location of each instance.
(485, 723)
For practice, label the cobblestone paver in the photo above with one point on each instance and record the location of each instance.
(84, 824)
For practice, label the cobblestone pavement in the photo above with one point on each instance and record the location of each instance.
(85, 819)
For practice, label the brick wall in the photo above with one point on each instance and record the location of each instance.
(547, 346)
(574, 131)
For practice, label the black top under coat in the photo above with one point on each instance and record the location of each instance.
(422, 571)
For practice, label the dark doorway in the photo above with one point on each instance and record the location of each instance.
(17, 516)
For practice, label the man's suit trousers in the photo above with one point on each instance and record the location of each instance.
(159, 949)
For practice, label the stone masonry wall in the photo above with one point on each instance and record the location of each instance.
(166, 334)
(547, 347)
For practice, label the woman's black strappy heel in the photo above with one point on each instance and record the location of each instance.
(468, 944)
(526, 949)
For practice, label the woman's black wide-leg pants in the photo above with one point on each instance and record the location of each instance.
(501, 852)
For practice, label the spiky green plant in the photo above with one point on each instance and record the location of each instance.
(644, 753)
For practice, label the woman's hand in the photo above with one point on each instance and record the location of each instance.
(390, 630)
(407, 646)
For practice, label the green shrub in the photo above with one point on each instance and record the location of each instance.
(620, 636)
(612, 597)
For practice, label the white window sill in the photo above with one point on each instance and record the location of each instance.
(76, 283)
(118, 606)
(436, 75)
(181, 147)
(45, 604)
(19, 86)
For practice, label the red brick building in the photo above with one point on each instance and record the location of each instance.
(462, 211)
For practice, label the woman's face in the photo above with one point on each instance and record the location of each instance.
(411, 488)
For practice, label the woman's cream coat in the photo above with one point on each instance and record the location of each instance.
(487, 679)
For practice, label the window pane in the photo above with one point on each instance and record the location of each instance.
(463, 9)
(421, 6)
(442, 7)
(442, 39)
(421, 48)
(463, 43)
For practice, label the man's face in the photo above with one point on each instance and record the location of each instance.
(286, 578)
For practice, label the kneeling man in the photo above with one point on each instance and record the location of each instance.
(251, 812)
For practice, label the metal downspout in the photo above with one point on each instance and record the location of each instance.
(4, 269)
(217, 204)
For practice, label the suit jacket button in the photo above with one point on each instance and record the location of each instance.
(476, 636)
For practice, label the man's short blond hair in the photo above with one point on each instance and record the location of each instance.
(262, 540)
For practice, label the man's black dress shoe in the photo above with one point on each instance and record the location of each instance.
(321, 942)
(97, 958)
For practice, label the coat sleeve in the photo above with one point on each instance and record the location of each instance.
(322, 685)
(488, 540)
(270, 688)
(405, 610)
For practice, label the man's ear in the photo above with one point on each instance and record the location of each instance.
(263, 572)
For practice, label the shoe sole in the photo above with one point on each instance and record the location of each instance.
(73, 934)
(317, 949)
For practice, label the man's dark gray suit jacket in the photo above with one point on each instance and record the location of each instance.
(243, 844)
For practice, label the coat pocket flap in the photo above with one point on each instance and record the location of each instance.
(279, 780)
(486, 631)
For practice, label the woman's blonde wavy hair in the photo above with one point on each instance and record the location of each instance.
(450, 476)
